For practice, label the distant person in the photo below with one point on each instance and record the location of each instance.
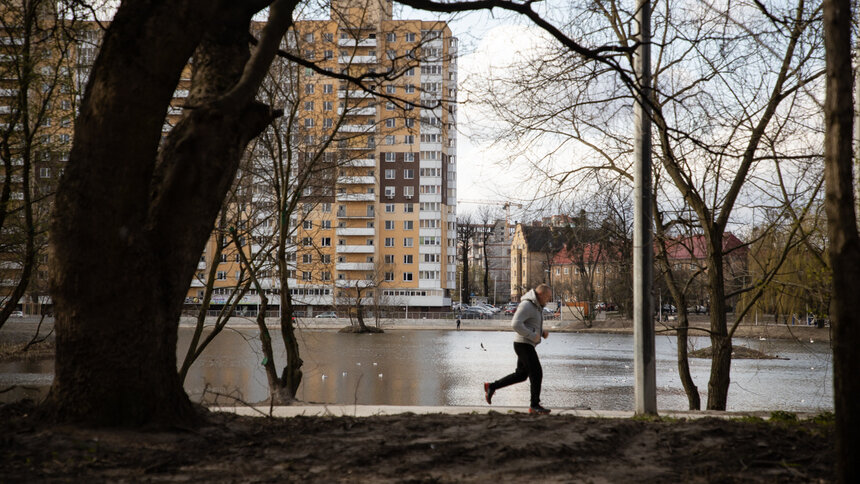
(458, 321)
(528, 324)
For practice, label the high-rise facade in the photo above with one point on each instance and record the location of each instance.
(376, 217)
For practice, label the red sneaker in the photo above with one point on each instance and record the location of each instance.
(488, 393)
(537, 409)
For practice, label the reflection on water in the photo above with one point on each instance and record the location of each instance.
(448, 368)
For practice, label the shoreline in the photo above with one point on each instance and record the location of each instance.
(22, 330)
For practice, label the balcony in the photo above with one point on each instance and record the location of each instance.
(356, 180)
(366, 231)
(201, 265)
(357, 128)
(357, 59)
(356, 43)
(353, 94)
(355, 266)
(355, 249)
(359, 111)
(356, 197)
(343, 214)
(344, 283)
(361, 163)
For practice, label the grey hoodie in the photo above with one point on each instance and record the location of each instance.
(528, 320)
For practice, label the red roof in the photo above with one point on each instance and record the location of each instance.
(690, 248)
(696, 247)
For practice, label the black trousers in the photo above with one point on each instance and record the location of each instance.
(528, 366)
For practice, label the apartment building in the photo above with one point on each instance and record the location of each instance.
(41, 73)
(375, 220)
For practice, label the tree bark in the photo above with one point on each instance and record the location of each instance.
(842, 232)
(721, 342)
(146, 221)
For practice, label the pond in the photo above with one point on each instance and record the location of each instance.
(440, 367)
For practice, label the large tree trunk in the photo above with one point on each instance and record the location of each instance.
(146, 221)
(721, 342)
(844, 239)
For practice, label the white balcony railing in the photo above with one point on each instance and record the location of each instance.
(357, 128)
(355, 266)
(356, 180)
(359, 111)
(356, 197)
(357, 59)
(355, 249)
(361, 163)
(353, 94)
(356, 43)
(356, 231)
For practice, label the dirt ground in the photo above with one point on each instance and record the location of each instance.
(421, 448)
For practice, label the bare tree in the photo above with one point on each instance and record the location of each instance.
(465, 234)
(34, 139)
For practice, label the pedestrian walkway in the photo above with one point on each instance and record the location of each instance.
(338, 410)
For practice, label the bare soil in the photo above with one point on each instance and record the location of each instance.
(420, 448)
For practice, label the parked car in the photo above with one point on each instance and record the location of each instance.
(327, 314)
(491, 309)
(509, 311)
(17, 314)
(468, 312)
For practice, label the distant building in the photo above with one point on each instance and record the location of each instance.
(532, 251)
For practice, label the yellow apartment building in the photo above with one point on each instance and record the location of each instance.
(377, 221)
(379, 217)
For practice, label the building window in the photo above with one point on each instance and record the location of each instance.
(390, 123)
(325, 224)
(410, 37)
(221, 275)
(389, 174)
(409, 139)
(389, 207)
(308, 224)
(309, 122)
(407, 242)
(389, 139)
(328, 88)
(309, 88)
(307, 258)
(328, 105)
(407, 276)
(326, 276)
(307, 241)
(391, 37)
(390, 157)
(306, 276)
(389, 193)
(326, 242)
(408, 208)
(391, 89)
(309, 37)
(44, 173)
(409, 157)
(389, 241)
(408, 192)
(389, 276)
(407, 225)
(389, 106)
(389, 258)
(407, 259)
(408, 174)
